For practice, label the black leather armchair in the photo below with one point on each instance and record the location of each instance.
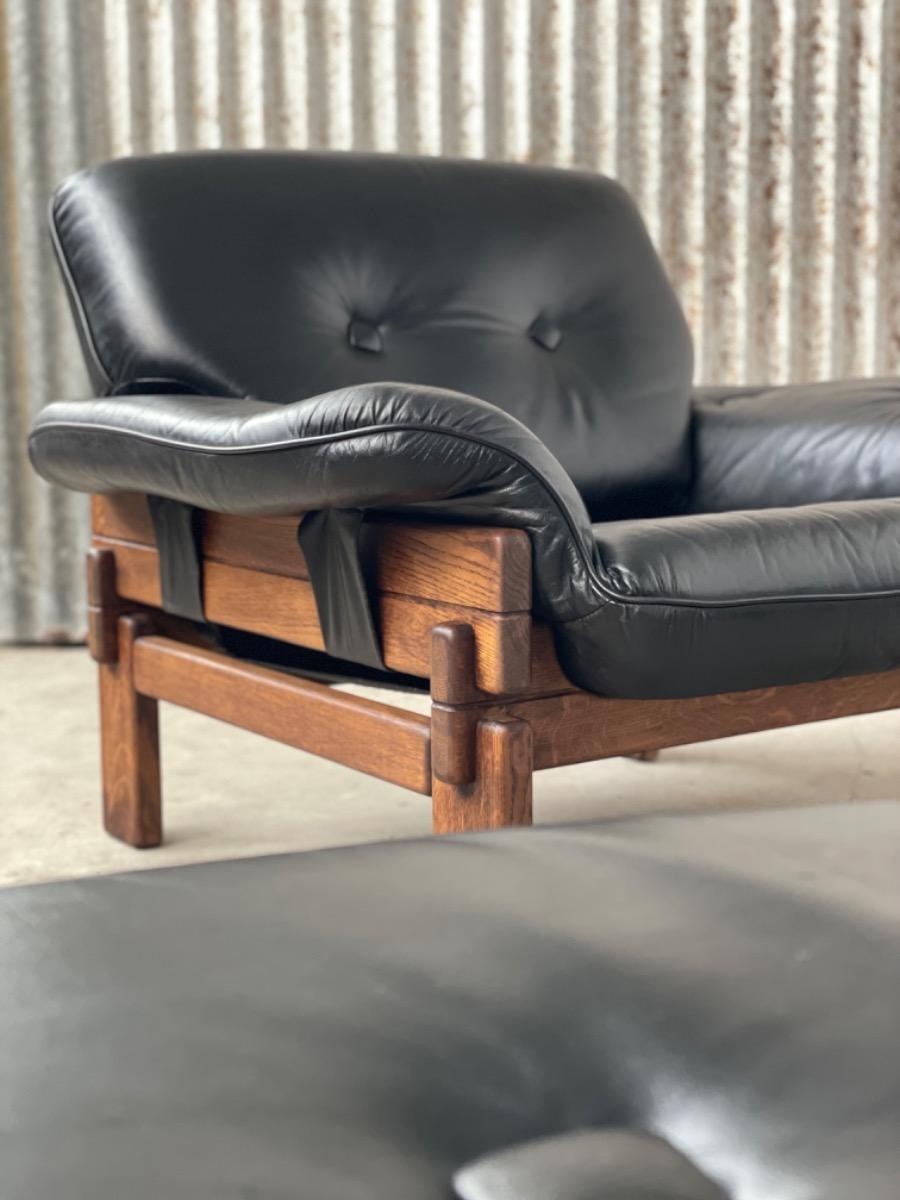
(337, 337)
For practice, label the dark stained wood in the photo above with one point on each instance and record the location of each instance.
(129, 735)
(453, 716)
(581, 727)
(473, 566)
(453, 664)
(546, 676)
(284, 608)
(101, 578)
(103, 605)
(502, 640)
(269, 604)
(448, 608)
(124, 515)
(453, 758)
(458, 685)
(261, 543)
(501, 792)
(386, 742)
(467, 565)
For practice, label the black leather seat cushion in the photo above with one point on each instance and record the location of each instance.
(671, 1008)
(764, 596)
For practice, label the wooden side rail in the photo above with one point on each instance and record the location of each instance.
(386, 742)
(582, 727)
(426, 575)
(282, 607)
(472, 566)
(472, 733)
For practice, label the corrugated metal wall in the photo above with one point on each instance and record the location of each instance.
(760, 137)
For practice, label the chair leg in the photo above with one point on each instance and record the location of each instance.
(500, 794)
(129, 738)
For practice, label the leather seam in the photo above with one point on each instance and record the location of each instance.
(744, 392)
(746, 602)
(74, 294)
(608, 594)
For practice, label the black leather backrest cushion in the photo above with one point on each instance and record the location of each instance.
(284, 275)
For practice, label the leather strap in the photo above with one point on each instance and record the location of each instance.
(332, 546)
(179, 539)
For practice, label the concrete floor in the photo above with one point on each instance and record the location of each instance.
(229, 794)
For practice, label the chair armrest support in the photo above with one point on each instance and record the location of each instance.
(386, 447)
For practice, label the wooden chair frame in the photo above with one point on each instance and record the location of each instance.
(453, 605)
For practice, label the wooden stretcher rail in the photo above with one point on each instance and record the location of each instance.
(386, 742)
(582, 727)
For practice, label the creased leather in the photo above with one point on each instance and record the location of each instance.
(253, 273)
(364, 1023)
(381, 446)
(776, 596)
(807, 443)
(542, 373)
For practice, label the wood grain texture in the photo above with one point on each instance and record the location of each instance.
(375, 738)
(501, 705)
(455, 681)
(103, 606)
(581, 727)
(453, 716)
(546, 676)
(129, 736)
(453, 756)
(468, 565)
(500, 795)
(453, 664)
(284, 608)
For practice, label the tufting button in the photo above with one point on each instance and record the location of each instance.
(363, 335)
(545, 333)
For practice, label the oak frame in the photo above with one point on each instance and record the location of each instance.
(453, 606)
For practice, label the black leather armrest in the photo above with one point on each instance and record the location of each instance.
(768, 447)
(379, 446)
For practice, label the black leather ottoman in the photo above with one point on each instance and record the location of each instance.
(665, 1008)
